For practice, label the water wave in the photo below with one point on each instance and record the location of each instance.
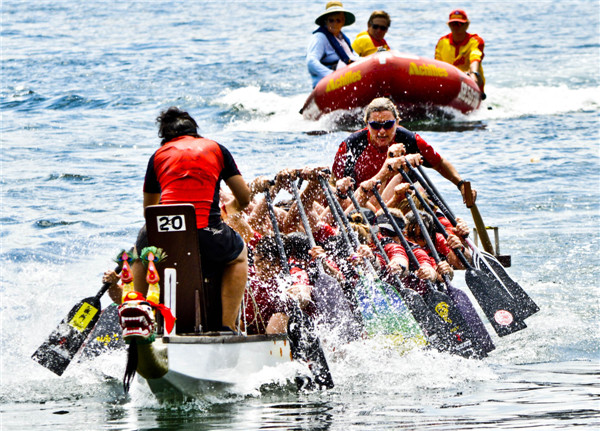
(253, 109)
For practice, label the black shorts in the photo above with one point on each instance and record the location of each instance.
(219, 245)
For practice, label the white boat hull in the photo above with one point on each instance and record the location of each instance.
(203, 364)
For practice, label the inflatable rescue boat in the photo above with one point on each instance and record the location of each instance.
(417, 85)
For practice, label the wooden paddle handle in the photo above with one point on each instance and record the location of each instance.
(481, 230)
(468, 194)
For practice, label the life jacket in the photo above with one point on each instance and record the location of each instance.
(358, 142)
(337, 47)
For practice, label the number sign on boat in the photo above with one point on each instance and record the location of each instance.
(171, 223)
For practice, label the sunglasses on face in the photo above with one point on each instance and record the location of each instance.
(379, 27)
(334, 20)
(376, 125)
(457, 24)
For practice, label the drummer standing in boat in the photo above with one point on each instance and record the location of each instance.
(329, 48)
(188, 168)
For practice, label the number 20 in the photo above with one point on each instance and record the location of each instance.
(171, 223)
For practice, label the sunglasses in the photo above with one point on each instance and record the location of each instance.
(332, 20)
(379, 27)
(387, 125)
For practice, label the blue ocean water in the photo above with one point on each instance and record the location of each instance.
(82, 83)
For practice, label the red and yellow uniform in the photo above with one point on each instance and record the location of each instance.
(463, 54)
(365, 45)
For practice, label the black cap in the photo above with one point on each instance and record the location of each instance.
(386, 227)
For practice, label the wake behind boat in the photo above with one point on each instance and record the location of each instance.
(417, 85)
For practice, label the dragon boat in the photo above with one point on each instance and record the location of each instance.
(417, 85)
(181, 352)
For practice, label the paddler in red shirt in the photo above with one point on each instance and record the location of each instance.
(364, 154)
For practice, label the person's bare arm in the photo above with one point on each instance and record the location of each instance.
(448, 171)
(151, 199)
(240, 191)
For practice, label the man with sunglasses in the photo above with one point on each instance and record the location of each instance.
(370, 41)
(380, 149)
(461, 49)
(329, 48)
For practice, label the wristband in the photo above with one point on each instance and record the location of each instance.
(460, 184)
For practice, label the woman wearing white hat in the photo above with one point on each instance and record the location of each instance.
(329, 48)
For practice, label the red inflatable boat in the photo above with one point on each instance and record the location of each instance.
(417, 85)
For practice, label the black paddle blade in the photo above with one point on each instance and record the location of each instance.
(306, 347)
(106, 336)
(487, 263)
(497, 305)
(438, 333)
(335, 309)
(65, 341)
(464, 305)
(467, 344)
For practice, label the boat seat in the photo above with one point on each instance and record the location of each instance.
(197, 299)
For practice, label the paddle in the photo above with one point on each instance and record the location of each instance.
(471, 343)
(462, 301)
(372, 292)
(347, 269)
(484, 261)
(498, 306)
(429, 321)
(57, 352)
(489, 264)
(304, 342)
(328, 295)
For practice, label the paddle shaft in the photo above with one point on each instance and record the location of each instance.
(496, 302)
(282, 257)
(482, 230)
(473, 338)
(435, 195)
(304, 342)
(334, 212)
(431, 190)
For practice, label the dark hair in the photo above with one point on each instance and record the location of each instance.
(357, 217)
(412, 224)
(296, 245)
(174, 123)
(385, 225)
